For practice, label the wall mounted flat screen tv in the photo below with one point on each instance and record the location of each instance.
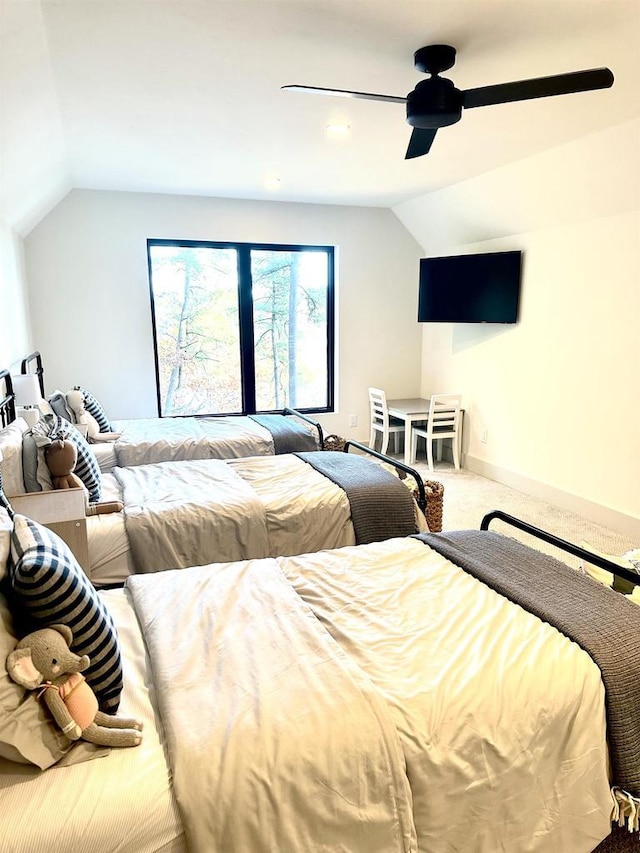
(483, 288)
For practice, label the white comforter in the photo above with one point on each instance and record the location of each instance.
(288, 724)
(147, 440)
(277, 740)
(190, 513)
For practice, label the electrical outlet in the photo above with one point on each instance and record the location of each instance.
(483, 436)
(353, 420)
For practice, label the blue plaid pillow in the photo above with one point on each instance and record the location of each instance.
(92, 405)
(4, 500)
(87, 468)
(49, 587)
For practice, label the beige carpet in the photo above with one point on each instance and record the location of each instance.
(468, 497)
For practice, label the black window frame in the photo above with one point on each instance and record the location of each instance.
(245, 312)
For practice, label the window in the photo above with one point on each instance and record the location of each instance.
(240, 328)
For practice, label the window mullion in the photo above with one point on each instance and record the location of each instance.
(247, 342)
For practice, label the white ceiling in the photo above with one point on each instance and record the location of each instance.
(184, 96)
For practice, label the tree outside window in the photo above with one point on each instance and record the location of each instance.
(240, 328)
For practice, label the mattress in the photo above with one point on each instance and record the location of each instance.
(110, 555)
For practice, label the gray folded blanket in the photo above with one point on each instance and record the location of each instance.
(288, 435)
(603, 622)
(381, 506)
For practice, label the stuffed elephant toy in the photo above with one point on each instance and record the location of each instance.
(44, 660)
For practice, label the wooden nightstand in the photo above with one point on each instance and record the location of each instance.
(63, 511)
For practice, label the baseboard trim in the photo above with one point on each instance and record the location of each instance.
(624, 524)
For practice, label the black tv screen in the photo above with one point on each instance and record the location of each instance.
(482, 288)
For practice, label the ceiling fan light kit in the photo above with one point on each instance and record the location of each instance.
(436, 103)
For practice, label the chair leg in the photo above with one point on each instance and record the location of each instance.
(430, 454)
(385, 442)
(414, 448)
(396, 441)
(455, 447)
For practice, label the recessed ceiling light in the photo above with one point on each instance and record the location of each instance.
(338, 129)
(272, 182)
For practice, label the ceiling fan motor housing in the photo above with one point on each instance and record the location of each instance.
(434, 103)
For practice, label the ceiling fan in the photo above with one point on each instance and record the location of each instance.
(436, 103)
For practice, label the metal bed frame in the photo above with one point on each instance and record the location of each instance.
(289, 411)
(421, 500)
(619, 572)
(8, 401)
(35, 358)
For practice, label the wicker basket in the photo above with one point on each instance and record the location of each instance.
(434, 492)
(334, 442)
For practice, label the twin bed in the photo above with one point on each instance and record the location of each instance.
(141, 441)
(371, 699)
(180, 514)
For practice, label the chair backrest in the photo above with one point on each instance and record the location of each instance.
(378, 407)
(444, 414)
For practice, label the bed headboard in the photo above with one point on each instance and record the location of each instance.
(33, 364)
(7, 399)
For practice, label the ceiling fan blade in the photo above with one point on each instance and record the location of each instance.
(344, 93)
(420, 142)
(538, 87)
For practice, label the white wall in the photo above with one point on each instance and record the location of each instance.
(558, 392)
(15, 340)
(34, 174)
(89, 293)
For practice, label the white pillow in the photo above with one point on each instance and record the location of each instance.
(45, 407)
(11, 455)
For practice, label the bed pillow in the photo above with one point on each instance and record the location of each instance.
(6, 526)
(45, 407)
(30, 465)
(48, 587)
(5, 504)
(51, 427)
(58, 403)
(27, 735)
(94, 408)
(11, 455)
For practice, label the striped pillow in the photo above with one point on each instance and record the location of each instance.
(92, 405)
(87, 468)
(49, 587)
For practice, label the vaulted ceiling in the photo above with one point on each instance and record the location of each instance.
(185, 96)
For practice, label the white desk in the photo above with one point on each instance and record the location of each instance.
(411, 410)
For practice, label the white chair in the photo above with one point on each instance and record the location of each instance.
(381, 422)
(445, 419)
